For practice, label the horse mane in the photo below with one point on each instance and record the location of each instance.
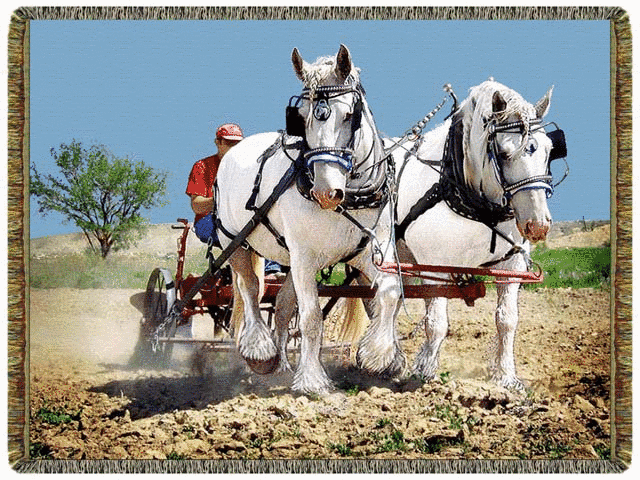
(516, 106)
(478, 107)
(320, 71)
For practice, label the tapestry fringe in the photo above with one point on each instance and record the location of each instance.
(320, 13)
(18, 161)
(321, 466)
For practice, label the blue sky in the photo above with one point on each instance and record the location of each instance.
(156, 90)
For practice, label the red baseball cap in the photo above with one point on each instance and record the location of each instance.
(229, 131)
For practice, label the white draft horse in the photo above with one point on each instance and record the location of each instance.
(497, 150)
(343, 151)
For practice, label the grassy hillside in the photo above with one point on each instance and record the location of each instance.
(577, 255)
(574, 267)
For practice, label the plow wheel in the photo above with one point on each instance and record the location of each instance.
(158, 301)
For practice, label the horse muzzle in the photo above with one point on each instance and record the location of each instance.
(532, 214)
(329, 182)
(329, 200)
(535, 231)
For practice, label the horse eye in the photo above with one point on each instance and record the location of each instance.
(532, 146)
(348, 117)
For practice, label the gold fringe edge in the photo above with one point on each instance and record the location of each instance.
(320, 13)
(16, 289)
(621, 139)
(18, 248)
(321, 466)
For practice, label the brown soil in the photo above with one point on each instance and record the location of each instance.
(90, 401)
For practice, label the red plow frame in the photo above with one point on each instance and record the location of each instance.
(216, 294)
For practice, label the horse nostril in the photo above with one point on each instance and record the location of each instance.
(536, 231)
(337, 194)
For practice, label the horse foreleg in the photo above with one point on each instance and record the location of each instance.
(310, 376)
(254, 342)
(379, 350)
(504, 369)
(436, 326)
(285, 309)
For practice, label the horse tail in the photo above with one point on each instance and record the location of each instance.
(237, 311)
(354, 323)
(257, 263)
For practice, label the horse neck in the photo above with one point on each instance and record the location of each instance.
(368, 148)
(416, 168)
(478, 170)
(432, 147)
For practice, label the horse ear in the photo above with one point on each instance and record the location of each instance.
(343, 64)
(542, 107)
(499, 103)
(298, 63)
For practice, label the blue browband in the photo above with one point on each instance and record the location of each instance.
(342, 157)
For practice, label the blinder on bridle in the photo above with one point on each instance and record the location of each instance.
(295, 122)
(558, 151)
(559, 144)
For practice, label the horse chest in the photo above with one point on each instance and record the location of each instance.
(325, 232)
(442, 237)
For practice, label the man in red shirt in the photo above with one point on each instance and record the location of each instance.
(200, 189)
(201, 180)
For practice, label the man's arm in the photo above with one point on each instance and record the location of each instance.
(200, 204)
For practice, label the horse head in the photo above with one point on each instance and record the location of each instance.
(507, 154)
(332, 108)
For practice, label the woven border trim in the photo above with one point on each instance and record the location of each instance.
(18, 157)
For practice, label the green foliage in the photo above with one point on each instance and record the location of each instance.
(445, 412)
(349, 387)
(39, 451)
(99, 192)
(393, 442)
(603, 451)
(332, 276)
(340, 448)
(56, 417)
(551, 449)
(574, 267)
(383, 422)
(436, 443)
(176, 456)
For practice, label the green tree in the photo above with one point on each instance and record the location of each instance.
(99, 192)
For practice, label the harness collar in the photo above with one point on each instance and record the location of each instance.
(459, 197)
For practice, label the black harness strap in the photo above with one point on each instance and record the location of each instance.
(239, 239)
(430, 199)
(268, 153)
(451, 189)
(364, 241)
(251, 203)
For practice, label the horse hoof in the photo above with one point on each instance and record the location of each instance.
(383, 366)
(263, 367)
